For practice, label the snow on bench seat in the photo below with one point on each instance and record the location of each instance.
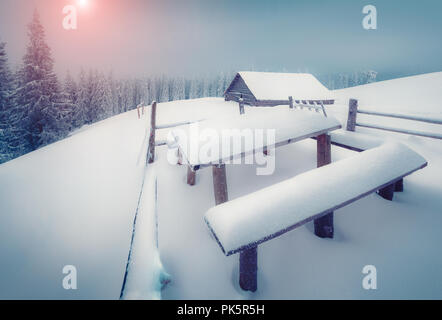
(245, 222)
(290, 126)
(355, 140)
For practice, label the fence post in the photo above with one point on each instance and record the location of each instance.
(151, 149)
(324, 224)
(248, 269)
(241, 105)
(291, 102)
(352, 112)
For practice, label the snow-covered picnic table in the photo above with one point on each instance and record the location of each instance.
(204, 143)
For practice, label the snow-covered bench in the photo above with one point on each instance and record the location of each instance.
(355, 141)
(242, 224)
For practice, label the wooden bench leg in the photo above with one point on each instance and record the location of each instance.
(191, 175)
(387, 192)
(399, 186)
(324, 225)
(248, 269)
(265, 151)
(220, 183)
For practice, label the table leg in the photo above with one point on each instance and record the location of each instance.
(324, 225)
(219, 183)
(248, 269)
(191, 175)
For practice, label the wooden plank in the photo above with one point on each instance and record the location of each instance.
(352, 113)
(342, 145)
(151, 148)
(346, 146)
(324, 225)
(401, 116)
(410, 132)
(220, 183)
(271, 103)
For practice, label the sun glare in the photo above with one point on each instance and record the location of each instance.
(83, 3)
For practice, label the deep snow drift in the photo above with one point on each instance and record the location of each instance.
(73, 203)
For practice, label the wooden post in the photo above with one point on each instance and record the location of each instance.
(387, 192)
(291, 102)
(151, 149)
(324, 224)
(399, 185)
(220, 183)
(248, 269)
(191, 175)
(241, 106)
(180, 157)
(352, 112)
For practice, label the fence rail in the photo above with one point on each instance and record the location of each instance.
(401, 116)
(411, 132)
(352, 123)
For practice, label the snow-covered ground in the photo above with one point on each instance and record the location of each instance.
(73, 203)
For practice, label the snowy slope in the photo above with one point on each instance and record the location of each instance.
(415, 95)
(418, 95)
(73, 202)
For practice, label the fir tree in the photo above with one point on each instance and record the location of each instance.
(79, 117)
(12, 135)
(5, 105)
(71, 88)
(39, 93)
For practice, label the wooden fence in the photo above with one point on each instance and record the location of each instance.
(352, 122)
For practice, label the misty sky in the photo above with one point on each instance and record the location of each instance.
(187, 37)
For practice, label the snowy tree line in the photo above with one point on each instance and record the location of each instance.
(37, 109)
(346, 80)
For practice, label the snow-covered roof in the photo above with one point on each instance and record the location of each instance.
(280, 86)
